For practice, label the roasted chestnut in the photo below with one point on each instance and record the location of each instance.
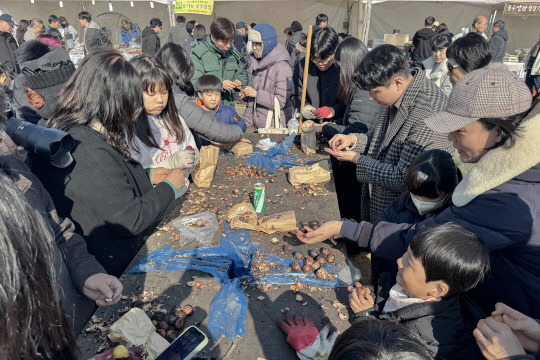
(307, 269)
(171, 319)
(308, 261)
(304, 223)
(321, 259)
(179, 323)
(325, 251)
(321, 273)
(297, 255)
(163, 325)
(162, 332)
(286, 248)
(159, 315)
(313, 223)
(188, 309)
(315, 227)
(316, 265)
(150, 314)
(295, 267)
(330, 258)
(313, 253)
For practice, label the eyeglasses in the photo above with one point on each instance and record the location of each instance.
(323, 62)
(451, 67)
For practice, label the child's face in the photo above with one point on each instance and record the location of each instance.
(156, 101)
(210, 99)
(412, 277)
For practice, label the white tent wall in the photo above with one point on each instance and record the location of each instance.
(408, 17)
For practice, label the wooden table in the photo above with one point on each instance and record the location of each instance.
(263, 338)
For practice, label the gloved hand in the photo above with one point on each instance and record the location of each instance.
(307, 112)
(183, 159)
(323, 112)
(304, 337)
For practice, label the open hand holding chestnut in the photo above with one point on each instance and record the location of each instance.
(105, 289)
(360, 298)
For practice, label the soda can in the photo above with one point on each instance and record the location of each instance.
(258, 197)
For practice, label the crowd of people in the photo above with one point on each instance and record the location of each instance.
(435, 158)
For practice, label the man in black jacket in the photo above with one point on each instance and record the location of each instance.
(422, 42)
(150, 39)
(8, 44)
(498, 42)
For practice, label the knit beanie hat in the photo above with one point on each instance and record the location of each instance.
(296, 26)
(265, 34)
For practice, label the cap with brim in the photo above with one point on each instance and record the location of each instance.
(8, 18)
(490, 92)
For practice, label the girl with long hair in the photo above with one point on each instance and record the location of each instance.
(21, 30)
(163, 139)
(114, 203)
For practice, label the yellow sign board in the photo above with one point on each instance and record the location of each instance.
(203, 7)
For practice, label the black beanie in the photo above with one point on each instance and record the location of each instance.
(296, 26)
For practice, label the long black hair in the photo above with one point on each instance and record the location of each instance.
(107, 89)
(177, 63)
(349, 53)
(33, 325)
(21, 30)
(153, 76)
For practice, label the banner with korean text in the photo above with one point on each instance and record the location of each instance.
(203, 7)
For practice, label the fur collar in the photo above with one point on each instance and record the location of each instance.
(501, 165)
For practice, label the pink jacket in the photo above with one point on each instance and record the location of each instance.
(272, 77)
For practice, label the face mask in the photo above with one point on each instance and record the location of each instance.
(425, 207)
(64, 25)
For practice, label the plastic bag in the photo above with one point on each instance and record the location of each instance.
(201, 227)
(228, 311)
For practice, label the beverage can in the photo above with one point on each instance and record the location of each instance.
(258, 197)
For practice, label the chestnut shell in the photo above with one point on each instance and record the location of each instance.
(295, 267)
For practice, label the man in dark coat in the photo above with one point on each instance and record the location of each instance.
(8, 44)
(422, 42)
(179, 34)
(150, 39)
(498, 41)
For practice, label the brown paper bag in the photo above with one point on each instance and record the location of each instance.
(241, 148)
(136, 329)
(282, 222)
(204, 173)
(242, 216)
(308, 139)
(313, 174)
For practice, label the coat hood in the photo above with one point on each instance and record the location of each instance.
(502, 164)
(502, 33)
(279, 53)
(426, 34)
(265, 34)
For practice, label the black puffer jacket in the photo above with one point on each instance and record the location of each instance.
(497, 45)
(422, 46)
(445, 327)
(202, 122)
(8, 45)
(360, 116)
(150, 42)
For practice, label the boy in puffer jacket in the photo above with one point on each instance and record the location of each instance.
(209, 92)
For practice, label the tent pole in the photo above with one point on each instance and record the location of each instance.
(304, 82)
(171, 12)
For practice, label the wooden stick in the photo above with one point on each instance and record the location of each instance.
(304, 82)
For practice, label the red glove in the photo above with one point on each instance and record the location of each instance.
(300, 332)
(323, 112)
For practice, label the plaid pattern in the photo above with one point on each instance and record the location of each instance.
(394, 145)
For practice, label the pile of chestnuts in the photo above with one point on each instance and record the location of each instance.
(167, 324)
(313, 262)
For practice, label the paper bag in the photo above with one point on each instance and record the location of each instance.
(241, 148)
(282, 222)
(204, 173)
(136, 329)
(242, 216)
(308, 139)
(313, 174)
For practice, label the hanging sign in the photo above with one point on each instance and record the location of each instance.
(203, 7)
(521, 8)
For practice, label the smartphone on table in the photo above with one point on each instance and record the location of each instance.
(188, 344)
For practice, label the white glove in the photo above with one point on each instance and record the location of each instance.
(307, 112)
(183, 159)
(322, 347)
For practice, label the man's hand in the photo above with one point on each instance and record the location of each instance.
(249, 92)
(349, 156)
(237, 84)
(341, 141)
(496, 340)
(328, 230)
(158, 175)
(526, 329)
(105, 289)
(323, 112)
(247, 141)
(8, 147)
(228, 85)
(361, 302)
